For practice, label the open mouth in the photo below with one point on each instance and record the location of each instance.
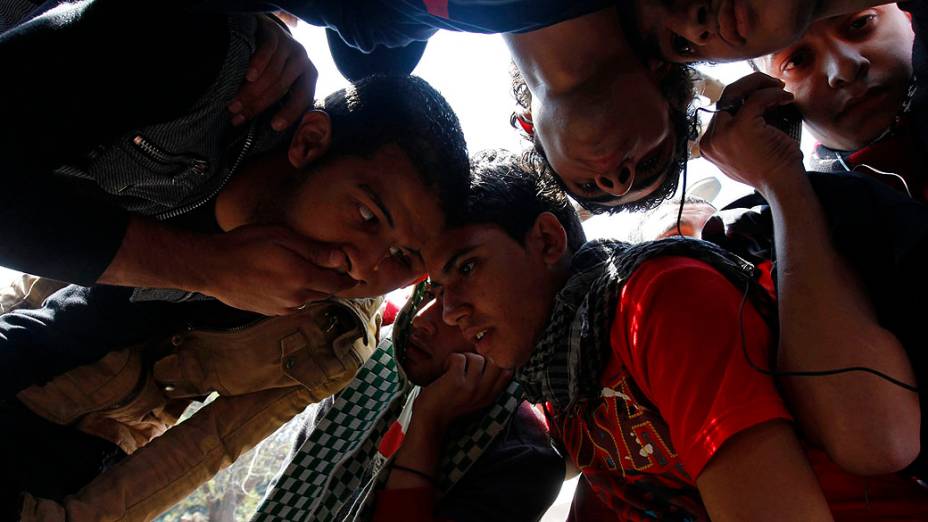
(477, 335)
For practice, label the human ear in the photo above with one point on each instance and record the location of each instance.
(548, 237)
(312, 139)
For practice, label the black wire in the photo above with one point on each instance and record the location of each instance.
(819, 373)
(694, 126)
(682, 202)
(744, 347)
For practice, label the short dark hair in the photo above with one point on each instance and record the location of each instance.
(506, 192)
(677, 87)
(407, 112)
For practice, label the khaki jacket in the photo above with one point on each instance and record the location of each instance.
(27, 291)
(265, 374)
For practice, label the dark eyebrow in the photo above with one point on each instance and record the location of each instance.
(454, 258)
(379, 202)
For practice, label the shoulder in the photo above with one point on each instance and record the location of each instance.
(672, 278)
(520, 464)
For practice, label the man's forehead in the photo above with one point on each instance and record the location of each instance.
(455, 240)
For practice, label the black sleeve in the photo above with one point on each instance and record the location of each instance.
(516, 479)
(74, 79)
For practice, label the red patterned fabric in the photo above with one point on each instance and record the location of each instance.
(677, 387)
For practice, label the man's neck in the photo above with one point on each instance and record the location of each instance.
(238, 201)
(561, 58)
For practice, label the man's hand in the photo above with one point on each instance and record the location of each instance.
(743, 145)
(280, 65)
(271, 269)
(266, 269)
(469, 384)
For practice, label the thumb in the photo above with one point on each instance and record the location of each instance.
(765, 99)
(456, 362)
(324, 255)
(328, 256)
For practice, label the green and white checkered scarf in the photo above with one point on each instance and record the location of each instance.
(335, 473)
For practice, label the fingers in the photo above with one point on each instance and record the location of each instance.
(762, 100)
(280, 65)
(258, 95)
(475, 364)
(300, 98)
(269, 39)
(747, 85)
(324, 255)
(456, 363)
(322, 283)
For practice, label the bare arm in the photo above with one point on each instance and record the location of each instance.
(732, 487)
(267, 269)
(826, 320)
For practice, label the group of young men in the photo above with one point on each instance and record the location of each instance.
(223, 236)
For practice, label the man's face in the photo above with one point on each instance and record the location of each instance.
(683, 31)
(664, 224)
(497, 292)
(377, 210)
(849, 74)
(610, 143)
(431, 341)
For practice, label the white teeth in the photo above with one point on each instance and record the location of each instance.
(481, 334)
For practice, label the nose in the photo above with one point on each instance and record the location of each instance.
(696, 25)
(454, 310)
(364, 258)
(845, 65)
(424, 322)
(617, 182)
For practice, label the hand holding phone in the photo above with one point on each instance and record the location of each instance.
(754, 138)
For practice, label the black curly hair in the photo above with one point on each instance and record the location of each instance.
(407, 112)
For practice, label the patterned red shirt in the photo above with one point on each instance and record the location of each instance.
(676, 388)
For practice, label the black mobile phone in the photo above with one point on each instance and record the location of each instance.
(787, 118)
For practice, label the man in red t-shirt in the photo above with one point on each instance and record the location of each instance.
(646, 360)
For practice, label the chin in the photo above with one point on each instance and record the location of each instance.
(783, 24)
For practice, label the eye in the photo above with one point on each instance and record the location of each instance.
(861, 22)
(401, 256)
(796, 60)
(467, 267)
(681, 46)
(366, 215)
(589, 187)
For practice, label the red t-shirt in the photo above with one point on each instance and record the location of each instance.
(676, 388)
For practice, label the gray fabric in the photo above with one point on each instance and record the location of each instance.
(169, 168)
(13, 12)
